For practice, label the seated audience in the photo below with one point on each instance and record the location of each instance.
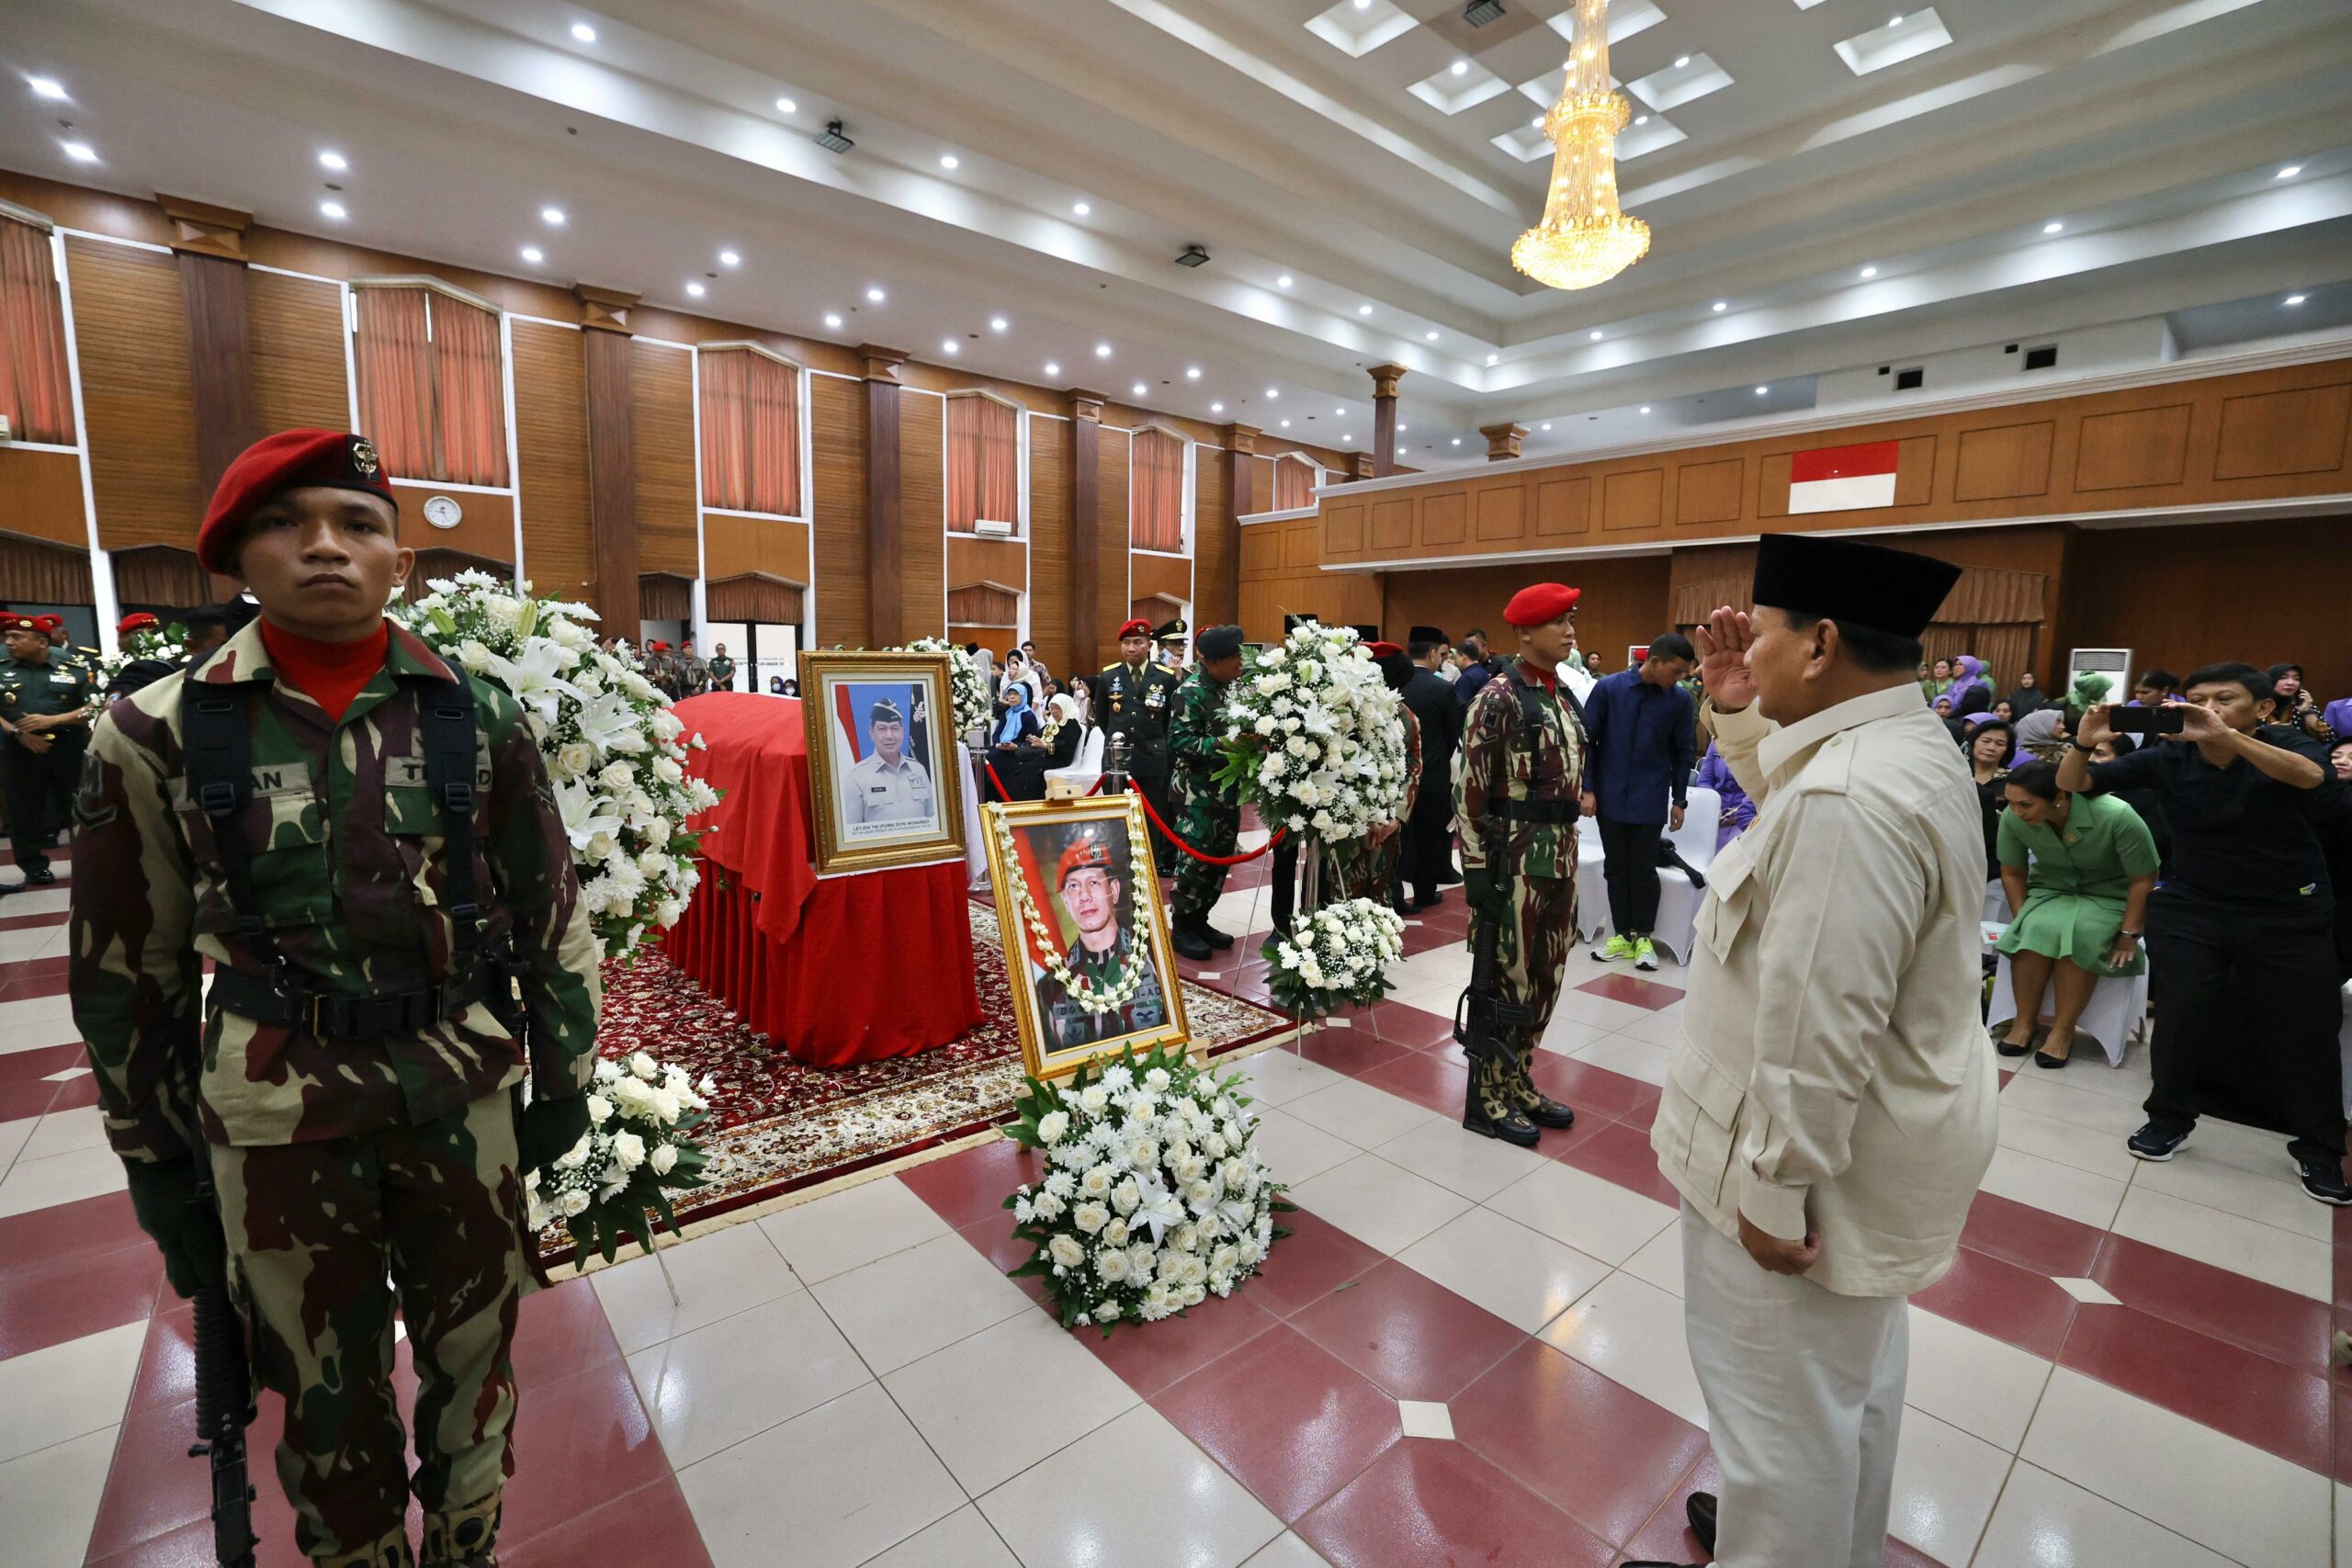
(1969, 691)
(2145, 801)
(2153, 687)
(2028, 697)
(1015, 721)
(1738, 811)
(1938, 679)
(2044, 733)
(2078, 869)
(1023, 764)
(2339, 763)
(1989, 760)
(2006, 711)
(2297, 711)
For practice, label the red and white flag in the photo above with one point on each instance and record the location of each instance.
(1843, 479)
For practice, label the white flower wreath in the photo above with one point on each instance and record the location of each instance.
(1081, 991)
(969, 692)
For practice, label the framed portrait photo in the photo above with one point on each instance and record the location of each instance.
(885, 772)
(1086, 944)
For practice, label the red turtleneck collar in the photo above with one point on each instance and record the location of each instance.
(1547, 679)
(329, 673)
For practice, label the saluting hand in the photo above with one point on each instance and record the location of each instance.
(1722, 645)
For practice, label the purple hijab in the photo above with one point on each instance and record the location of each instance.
(2338, 715)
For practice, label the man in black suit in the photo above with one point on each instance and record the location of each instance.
(1427, 862)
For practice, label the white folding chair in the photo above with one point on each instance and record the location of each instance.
(1678, 901)
(1592, 886)
(1084, 770)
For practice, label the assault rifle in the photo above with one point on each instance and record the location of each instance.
(1485, 1023)
(224, 1408)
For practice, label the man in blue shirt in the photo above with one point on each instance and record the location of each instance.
(1643, 738)
(1477, 668)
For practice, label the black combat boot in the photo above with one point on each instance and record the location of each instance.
(1193, 945)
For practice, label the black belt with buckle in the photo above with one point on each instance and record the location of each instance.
(333, 1015)
(1558, 813)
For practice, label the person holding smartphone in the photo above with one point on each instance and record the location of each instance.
(2242, 935)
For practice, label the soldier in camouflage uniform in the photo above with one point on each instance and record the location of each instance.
(1210, 816)
(1522, 762)
(349, 1085)
(45, 695)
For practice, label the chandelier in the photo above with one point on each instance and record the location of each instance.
(1583, 239)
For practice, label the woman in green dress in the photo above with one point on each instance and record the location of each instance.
(2077, 870)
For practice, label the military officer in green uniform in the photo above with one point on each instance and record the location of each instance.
(287, 811)
(1136, 698)
(722, 671)
(45, 694)
(1515, 799)
(1211, 819)
(1105, 961)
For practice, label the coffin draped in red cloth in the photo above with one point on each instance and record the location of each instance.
(847, 970)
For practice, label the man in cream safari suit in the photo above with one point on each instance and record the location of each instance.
(1830, 1108)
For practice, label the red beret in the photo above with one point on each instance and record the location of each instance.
(1084, 851)
(50, 622)
(12, 622)
(658, 645)
(330, 458)
(1382, 649)
(1135, 629)
(134, 623)
(1541, 601)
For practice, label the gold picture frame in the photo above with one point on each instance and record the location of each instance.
(1034, 849)
(871, 812)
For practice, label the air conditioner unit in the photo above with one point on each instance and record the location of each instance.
(6, 434)
(990, 529)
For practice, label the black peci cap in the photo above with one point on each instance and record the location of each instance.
(1844, 579)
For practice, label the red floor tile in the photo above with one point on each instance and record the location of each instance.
(1150, 1357)
(33, 1066)
(1594, 1091)
(1665, 1536)
(2249, 1396)
(993, 1238)
(2034, 1238)
(66, 1230)
(1617, 1152)
(1307, 1265)
(156, 1489)
(2280, 1323)
(25, 1099)
(1410, 1026)
(167, 1361)
(1426, 937)
(34, 977)
(75, 1093)
(1424, 1079)
(585, 1436)
(1584, 1444)
(1353, 1051)
(1411, 1336)
(1634, 990)
(84, 1293)
(1427, 1502)
(651, 1527)
(561, 1331)
(972, 1184)
(1286, 1417)
(31, 922)
(2008, 1300)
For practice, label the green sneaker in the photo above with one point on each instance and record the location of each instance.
(1644, 956)
(1616, 947)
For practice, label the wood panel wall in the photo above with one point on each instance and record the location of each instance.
(1111, 511)
(1049, 541)
(295, 328)
(923, 512)
(1281, 573)
(1624, 602)
(662, 443)
(137, 397)
(551, 459)
(40, 497)
(1217, 539)
(837, 407)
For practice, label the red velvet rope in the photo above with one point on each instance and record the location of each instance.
(1204, 860)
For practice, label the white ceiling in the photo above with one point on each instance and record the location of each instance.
(2153, 130)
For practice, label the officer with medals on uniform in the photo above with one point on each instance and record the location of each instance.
(722, 671)
(331, 1131)
(1171, 637)
(1211, 822)
(45, 695)
(886, 784)
(1522, 762)
(1136, 698)
(1105, 955)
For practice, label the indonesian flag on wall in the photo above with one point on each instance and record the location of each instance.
(1843, 479)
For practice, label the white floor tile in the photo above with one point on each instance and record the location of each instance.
(14, 1134)
(1945, 1485)
(38, 901)
(63, 1390)
(962, 1539)
(2043, 1522)
(1297, 1152)
(60, 1178)
(30, 942)
(1564, 1036)
(717, 1276)
(1631, 1333)
(2060, 1189)
(2273, 1197)
(1597, 1217)
(1425, 1419)
(849, 1229)
(2250, 1507)
(1365, 1116)
(901, 1308)
(723, 1383)
(2290, 1261)
(1659, 1261)
(37, 1031)
(68, 1131)
(1279, 1076)
(2041, 1092)
(1655, 1029)
(832, 1487)
(2093, 1149)
(1385, 1207)
(1286, 1550)
(994, 1404)
(1972, 1381)
(1136, 1494)
(49, 1499)
(1441, 1149)
(1446, 968)
(1523, 1277)
(1599, 1011)
(1623, 1054)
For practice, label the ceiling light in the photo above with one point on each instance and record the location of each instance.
(46, 87)
(583, 32)
(949, 345)
(1285, 425)
(1870, 272)
(2051, 227)
(1537, 122)
(552, 215)
(1431, 336)
(1363, 5)
(833, 321)
(1595, 335)
(1339, 413)
(533, 254)
(333, 160)
(1052, 368)
(785, 106)
(1460, 67)
(1894, 21)
(1191, 373)
(1081, 208)
(1547, 425)
(1722, 305)
(947, 160)
(333, 209)
(1761, 390)
(1216, 408)
(695, 290)
(1494, 360)
(1140, 389)
(875, 296)
(1363, 310)
(1681, 61)
(1274, 392)
(1283, 282)
(1400, 426)
(2290, 172)
(1101, 350)
(1646, 408)
(1639, 119)
(998, 324)
(2296, 298)
(1457, 441)
(80, 152)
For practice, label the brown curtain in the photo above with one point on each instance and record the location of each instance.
(35, 573)
(445, 564)
(984, 604)
(755, 599)
(1156, 491)
(393, 351)
(36, 395)
(470, 392)
(983, 463)
(1987, 594)
(1694, 602)
(750, 432)
(1293, 483)
(661, 597)
(160, 575)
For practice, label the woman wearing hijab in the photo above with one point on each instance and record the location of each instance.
(1016, 722)
(1738, 811)
(1024, 764)
(2044, 733)
(2028, 697)
(1968, 692)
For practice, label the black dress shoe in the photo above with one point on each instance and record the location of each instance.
(1214, 937)
(1550, 1113)
(1512, 1127)
(1700, 1512)
(41, 878)
(2006, 1049)
(1191, 945)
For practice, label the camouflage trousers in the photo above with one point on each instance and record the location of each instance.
(313, 1229)
(1533, 956)
(1212, 826)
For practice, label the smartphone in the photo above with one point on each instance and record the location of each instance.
(2164, 720)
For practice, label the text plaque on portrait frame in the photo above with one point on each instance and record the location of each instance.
(886, 776)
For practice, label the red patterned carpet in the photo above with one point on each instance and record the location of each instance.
(778, 1124)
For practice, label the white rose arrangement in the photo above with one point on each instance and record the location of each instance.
(1314, 739)
(1154, 1198)
(964, 681)
(167, 643)
(635, 1153)
(1335, 957)
(615, 754)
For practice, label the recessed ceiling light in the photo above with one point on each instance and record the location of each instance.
(1283, 282)
(1494, 360)
(1547, 425)
(1052, 368)
(1363, 5)
(1285, 425)
(695, 290)
(333, 209)
(2296, 298)
(832, 320)
(1761, 390)
(333, 160)
(1081, 208)
(80, 152)
(533, 254)
(1681, 61)
(1216, 408)
(1537, 122)
(1191, 373)
(583, 32)
(46, 87)
(1639, 119)
(1363, 310)
(1596, 335)
(947, 160)
(1274, 392)
(552, 215)
(949, 345)
(1457, 441)
(1140, 389)
(1339, 413)
(1431, 336)
(1101, 350)
(998, 324)
(1722, 305)
(1870, 272)
(1894, 21)
(785, 106)
(1460, 67)
(2290, 172)
(875, 296)
(1400, 426)
(1646, 408)
(2051, 227)
(729, 258)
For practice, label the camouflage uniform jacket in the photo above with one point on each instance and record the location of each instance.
(1498, 762)
(348, 863)
(1196, 742)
